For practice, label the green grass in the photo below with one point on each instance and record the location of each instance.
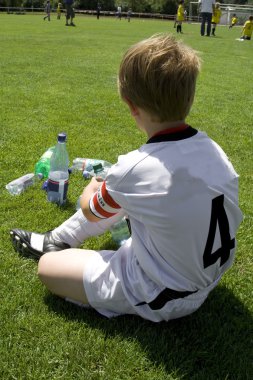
(57, 79)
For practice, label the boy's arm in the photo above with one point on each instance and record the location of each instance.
(96, 203)
(87, 194)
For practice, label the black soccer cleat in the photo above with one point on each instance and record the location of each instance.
(27, 243)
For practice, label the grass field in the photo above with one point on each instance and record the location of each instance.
(57, 79)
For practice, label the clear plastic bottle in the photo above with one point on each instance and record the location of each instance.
(42, 167)
(58, 178)
(87, 164)
(120, 231)
(17, 186)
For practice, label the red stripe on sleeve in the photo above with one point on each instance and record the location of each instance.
(107, 198)
(99, 209)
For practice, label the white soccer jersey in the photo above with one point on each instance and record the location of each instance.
(180, 193)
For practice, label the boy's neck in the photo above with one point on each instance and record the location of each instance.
(176, 129)
(148, 124)
(152, 128)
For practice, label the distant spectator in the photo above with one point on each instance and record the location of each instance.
(129, 14)
(119, 12)
(70, 14)
(47, 10)
(206, 9)
(98, 11)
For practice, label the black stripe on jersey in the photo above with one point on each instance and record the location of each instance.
(181, 135)
(165, 296)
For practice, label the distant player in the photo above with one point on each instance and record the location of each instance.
(58, 11)
(233, 21)
(247, 29)
(178, 189)
(180, 16)
(216, 17)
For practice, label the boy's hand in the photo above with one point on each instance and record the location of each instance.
(94, 184)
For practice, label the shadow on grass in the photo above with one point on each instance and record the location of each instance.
(213, 343)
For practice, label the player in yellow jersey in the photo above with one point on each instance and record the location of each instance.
(180, 16)
(247, 29)
(233, 21)
(216, 17)
(59, 7)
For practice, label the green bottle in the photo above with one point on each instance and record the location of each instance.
(42, 167)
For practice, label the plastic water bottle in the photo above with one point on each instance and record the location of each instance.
(87, 164)
(17, 186)
(42, 167)
(82, 164)
(58, 178)
(120, 231)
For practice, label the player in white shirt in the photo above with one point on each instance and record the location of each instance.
(179, 191)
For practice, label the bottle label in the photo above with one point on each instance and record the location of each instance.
(60, 188)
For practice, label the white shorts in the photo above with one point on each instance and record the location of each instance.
(107, 293)
(103, 287)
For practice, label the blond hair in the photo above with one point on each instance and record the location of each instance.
(159, 75)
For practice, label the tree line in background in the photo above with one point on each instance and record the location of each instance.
(142, 6)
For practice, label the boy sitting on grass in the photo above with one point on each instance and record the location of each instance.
(179, 191)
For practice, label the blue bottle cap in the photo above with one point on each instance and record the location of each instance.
(62, 137)
(86, 174)
(44, 186)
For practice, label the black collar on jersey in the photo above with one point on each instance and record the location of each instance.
(174, 135)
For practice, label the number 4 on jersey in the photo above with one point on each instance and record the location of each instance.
(218, 218)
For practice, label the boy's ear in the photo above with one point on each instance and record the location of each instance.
(133, 109)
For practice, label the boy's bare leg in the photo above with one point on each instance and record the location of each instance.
(62, 273)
